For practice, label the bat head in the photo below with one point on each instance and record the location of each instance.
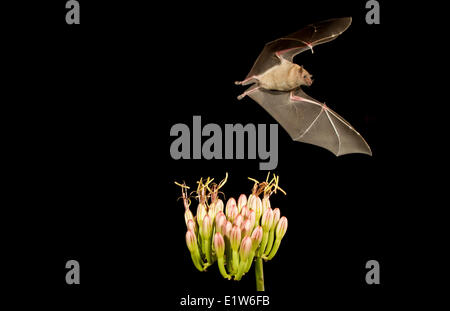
(305, 77)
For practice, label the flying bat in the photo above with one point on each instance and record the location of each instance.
(276, 83)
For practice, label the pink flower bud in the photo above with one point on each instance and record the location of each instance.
(226, 228)
(247, 227)
(281, 227)
(238, 220)
(188, 215)
(232, 213)
(257, 235)
(242, 201)
(235, 237)
(219, 244)
(246, 248)
(220, 220)
(191, 240)
(231, 202)
(206, 226)
(276, 217)
(267, 219)
(245, 211)
(252, 217)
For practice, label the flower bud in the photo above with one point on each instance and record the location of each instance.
(235, 237)
(267, 219)
(238, 220)
(232, 213)
(276, 217)
(250, 200)
(191, 225)
(188, 215)
(265, 203)
(252, 217)
(206, 227)
(191, 240)
(247, 227)
(218, 206)
(201, 212)
(219, 244)
(257, 235)
(246, 248)
(245, 211)
(226, 228)
(242, 201)
(251, 203)
(212, 214)
(220, 220)
(281, 228)
(257, 207)
(231, 202)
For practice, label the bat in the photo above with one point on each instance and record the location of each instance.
(276, 84)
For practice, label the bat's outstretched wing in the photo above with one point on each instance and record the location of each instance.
(309, 121)
(297, 42)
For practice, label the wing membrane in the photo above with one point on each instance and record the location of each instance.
(297, 42)
(309, 121)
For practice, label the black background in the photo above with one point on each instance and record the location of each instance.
(93, 154)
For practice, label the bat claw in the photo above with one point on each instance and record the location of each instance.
(238, 82)
(241, 96)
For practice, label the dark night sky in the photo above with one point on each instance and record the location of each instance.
(95, 140)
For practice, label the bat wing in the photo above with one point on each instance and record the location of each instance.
(309, 121)
(297, 42)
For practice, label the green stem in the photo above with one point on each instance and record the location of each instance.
(259, 273)
(250, 261)
(270, 242)
(235, 261)
(195, 255)
(262, 247)
(241, 270)
(220, 263)
(202, 246)
(228, 255)
(207, 244)
(274, 249)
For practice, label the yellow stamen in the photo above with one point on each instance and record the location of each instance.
(223, 181)
(182, 185)
(254, 180)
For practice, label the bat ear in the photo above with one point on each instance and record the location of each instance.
(301, 69)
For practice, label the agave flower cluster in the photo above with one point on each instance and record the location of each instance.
(234, 235)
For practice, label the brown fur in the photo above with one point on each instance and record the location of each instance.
(284, 77)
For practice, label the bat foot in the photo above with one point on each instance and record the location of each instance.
(247, 81)
(248, 91)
